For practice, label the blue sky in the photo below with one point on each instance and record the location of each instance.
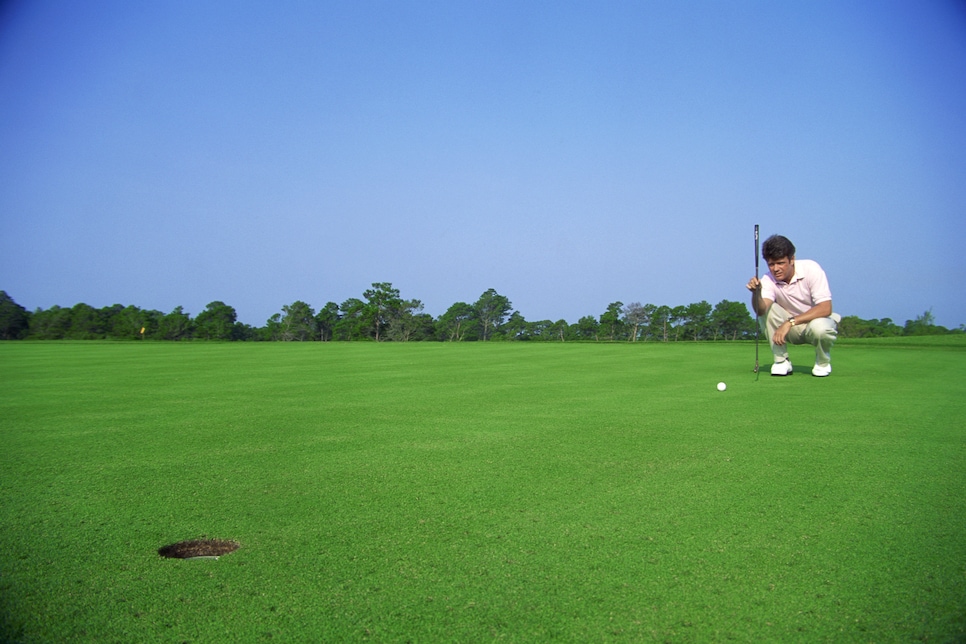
(567, 154)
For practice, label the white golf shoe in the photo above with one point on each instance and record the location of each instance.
(820, 371)
(783, 368)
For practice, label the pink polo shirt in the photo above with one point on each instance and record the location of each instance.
(808, 287)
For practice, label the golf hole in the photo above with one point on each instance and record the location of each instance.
(199, 548)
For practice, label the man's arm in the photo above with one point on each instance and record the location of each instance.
(759, 304)
(820, 310)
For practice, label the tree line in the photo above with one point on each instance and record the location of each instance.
(382, 314)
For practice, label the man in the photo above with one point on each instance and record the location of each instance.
(795, 305)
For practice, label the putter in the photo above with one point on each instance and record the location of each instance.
(757, 325)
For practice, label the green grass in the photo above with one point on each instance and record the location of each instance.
(476, 492)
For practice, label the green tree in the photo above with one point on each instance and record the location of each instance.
(457, 323)
(297, 323)
(731, 320)
(216, 322)
(109, 316)
(697, 320)
(273, 328)
(85, 323)
(246, 332)
(561, 330)
(151, 321)
(406, 321)
(353, 323)
(660, 325)
(611, 324)
(382, 305)
(424, 327)
(516, 327)
(127, 322)
(14, 319)
(326, 320)
(924, 324)
(491, 311)
(50, 324)
(637, 318)
(853, 326)
(677, 317)
(886, 328)
(176, 325)
(588, 328)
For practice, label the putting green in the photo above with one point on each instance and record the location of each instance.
(468, 492)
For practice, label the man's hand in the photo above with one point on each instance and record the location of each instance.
(781, 332)
(758, 305)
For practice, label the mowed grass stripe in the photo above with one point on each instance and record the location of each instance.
(481, 491)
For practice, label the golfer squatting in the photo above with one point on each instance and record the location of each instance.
(794, 303)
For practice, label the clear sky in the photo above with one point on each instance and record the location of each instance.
(567, 154)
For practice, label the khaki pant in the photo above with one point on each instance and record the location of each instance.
(820, 333)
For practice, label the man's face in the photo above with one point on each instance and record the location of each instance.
(783, 270)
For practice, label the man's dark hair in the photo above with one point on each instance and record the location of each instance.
(777, 247)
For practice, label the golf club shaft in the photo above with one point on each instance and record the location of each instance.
(756, 250)
(757, 325)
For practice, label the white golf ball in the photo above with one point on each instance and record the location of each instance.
(722, 386)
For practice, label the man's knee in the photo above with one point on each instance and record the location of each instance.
(823, 329)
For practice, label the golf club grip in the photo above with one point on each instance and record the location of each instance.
(756, 250)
